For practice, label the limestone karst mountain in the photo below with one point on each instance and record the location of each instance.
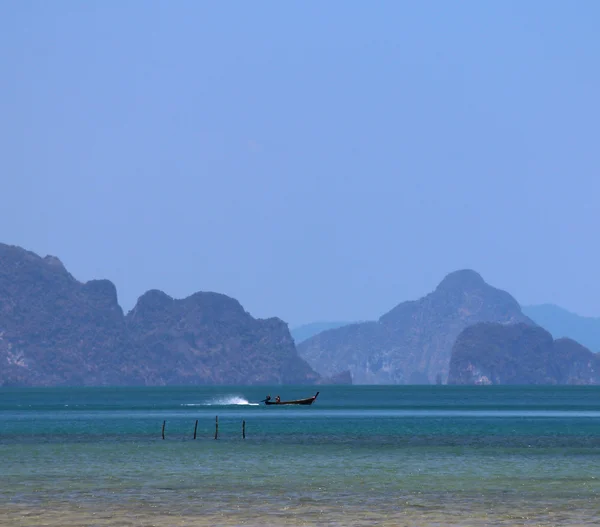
(55, 330)
(412, 343)
(490, 353)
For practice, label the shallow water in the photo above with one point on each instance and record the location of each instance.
(359, 456)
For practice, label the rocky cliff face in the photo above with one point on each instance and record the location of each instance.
(55, 330)
(490, 353)
(412, 343)
(208, 338)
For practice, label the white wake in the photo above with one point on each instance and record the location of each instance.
(225, 400)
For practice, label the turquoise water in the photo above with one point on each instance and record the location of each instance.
(393, 455)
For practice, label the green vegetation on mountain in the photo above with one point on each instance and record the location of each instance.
(489, 353)
(562, 323)
(412, 343)
(55, 330)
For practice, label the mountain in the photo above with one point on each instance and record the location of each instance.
(55, 330)
(489, 353)
(412, 343)
(208, 338)
(562, 323)
(306, 331)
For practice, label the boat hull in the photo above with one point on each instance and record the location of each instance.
(304, 402)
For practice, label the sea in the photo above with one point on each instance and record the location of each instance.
(359, 456)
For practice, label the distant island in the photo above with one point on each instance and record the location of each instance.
(412, 343)
(301, 333)
(489, 353)
(562, 323)
(57, 331)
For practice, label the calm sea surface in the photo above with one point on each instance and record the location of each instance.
(361, 456)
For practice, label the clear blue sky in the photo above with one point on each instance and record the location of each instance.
(315, 160)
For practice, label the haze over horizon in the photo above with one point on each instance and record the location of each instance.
(314, 161)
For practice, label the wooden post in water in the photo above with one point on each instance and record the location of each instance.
(243, 429)
(216, 427)
(163, 429)
(195, 428)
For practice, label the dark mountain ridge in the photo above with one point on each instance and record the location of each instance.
(193, 338)
(489, 353)
(412, 343)
(563, 323)
(55, 330)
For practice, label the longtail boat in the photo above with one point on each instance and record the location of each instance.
(308, 400)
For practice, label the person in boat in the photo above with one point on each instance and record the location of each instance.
(267, 398)
(277, 399)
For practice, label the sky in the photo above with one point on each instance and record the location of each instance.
(314, 160)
